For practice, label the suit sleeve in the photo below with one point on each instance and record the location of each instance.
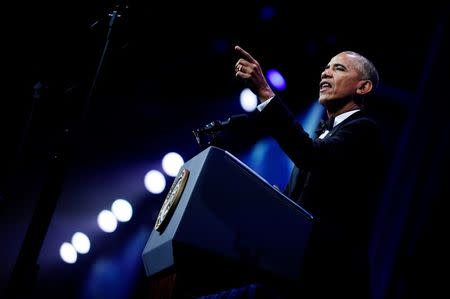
(348, 142)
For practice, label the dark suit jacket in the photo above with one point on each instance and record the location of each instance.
(338, 180)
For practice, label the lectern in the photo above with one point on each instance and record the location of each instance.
(222, 225)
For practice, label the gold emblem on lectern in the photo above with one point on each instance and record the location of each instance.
(171, 201)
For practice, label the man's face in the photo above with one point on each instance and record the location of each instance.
(340, 79)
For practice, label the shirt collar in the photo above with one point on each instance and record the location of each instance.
(341, 117)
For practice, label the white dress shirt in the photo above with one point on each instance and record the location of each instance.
(337, 120)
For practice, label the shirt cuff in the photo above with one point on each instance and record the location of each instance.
(261, 106)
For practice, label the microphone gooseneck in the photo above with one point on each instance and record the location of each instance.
(215, 127)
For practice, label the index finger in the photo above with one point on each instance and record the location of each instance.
(245, 54)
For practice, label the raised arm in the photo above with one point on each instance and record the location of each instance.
(248, 69)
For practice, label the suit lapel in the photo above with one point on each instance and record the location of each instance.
(355, 115)
(299, 177)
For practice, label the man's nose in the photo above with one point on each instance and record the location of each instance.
(325, 74)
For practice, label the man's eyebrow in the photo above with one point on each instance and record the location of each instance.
(339, 64)
(335, 65)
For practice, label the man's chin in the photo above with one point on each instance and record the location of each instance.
(322, 100)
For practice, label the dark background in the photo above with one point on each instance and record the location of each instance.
(169, 69)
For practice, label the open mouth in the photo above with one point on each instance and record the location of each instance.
(324, 85)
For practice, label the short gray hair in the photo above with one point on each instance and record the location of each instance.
(366, 68)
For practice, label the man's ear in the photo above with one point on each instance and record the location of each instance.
(364, 87)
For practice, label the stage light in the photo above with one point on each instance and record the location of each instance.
(155, 182)
(248, 100)
(276, 79)
(68, 253)
(122, 209)
(172, 163)
(81, 242)
(107, 221)
(267, 13)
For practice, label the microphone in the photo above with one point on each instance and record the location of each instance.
(211, 128)
(215, 127)
(218, 125)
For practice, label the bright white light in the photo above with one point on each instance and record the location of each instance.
(107, 221)
(248, 100)
(81, 243)
(155, 182)
(68, 253)
(122, 210)
(172, 163)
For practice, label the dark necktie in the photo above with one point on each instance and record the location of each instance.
(325, 125)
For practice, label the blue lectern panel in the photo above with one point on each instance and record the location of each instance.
(229, 211)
